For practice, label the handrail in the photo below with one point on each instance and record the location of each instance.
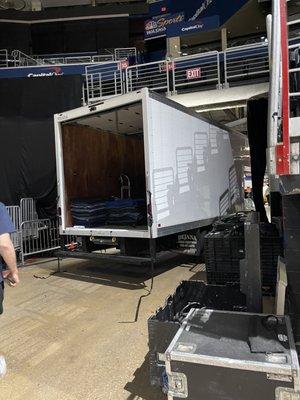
(19, 57)
(247, 46)
(294, 22)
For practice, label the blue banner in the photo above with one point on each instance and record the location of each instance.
(190, 27)
(157, 26)
(197, 9)
(55, 70)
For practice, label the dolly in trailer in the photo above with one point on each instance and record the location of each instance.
(138, 169)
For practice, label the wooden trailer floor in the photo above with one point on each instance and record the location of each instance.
(72, 336)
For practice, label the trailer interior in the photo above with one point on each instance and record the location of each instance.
(103, 156)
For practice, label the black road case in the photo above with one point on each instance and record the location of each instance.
(164, 324)
(220, 355)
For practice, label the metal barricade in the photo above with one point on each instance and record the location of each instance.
(28, 213)
(103, 80)
(15, 215)
(154, 75)
(125, 53)
(28, 209)
(44, 237)
(3, 58)
(251, 61)
(198, 70)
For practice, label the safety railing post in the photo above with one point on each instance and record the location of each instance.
(174, 91)
(225, 70)
(100, 85)
(219, 86)
(115, 79)
(92, 85)
(167, 66)
(126, 80)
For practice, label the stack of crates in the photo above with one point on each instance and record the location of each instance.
(225, 247)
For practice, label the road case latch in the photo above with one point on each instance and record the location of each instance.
(178, 385)
(283, 393)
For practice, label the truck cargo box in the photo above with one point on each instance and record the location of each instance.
(176, 168)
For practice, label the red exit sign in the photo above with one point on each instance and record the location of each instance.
(193, 73)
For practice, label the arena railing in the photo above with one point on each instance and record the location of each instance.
(198, 70)
(246, 62)
(3, 58)
(117, 55)
(295, 71)
(122, 53)
(103, 80)
(154, 75)
(194, 72)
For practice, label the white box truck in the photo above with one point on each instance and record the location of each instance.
(143, 146)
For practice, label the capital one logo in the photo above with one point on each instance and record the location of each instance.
(52, 71)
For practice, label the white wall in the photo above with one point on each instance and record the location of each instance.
(190, 160)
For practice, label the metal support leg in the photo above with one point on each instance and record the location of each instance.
(152, 248)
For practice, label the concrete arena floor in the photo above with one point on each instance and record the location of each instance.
(72, 336)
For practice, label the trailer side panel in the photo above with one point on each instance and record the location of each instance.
(190, 162)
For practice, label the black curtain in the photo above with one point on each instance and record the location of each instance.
(257, 133)
(27, 146)
(15, 36)
(79, 36)
(48, 38)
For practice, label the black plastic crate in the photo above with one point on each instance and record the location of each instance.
(163, 326)
(225, 247)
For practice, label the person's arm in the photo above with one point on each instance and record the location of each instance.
(7, 251)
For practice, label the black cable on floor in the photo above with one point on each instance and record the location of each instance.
(45, 277)
(137, 312)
